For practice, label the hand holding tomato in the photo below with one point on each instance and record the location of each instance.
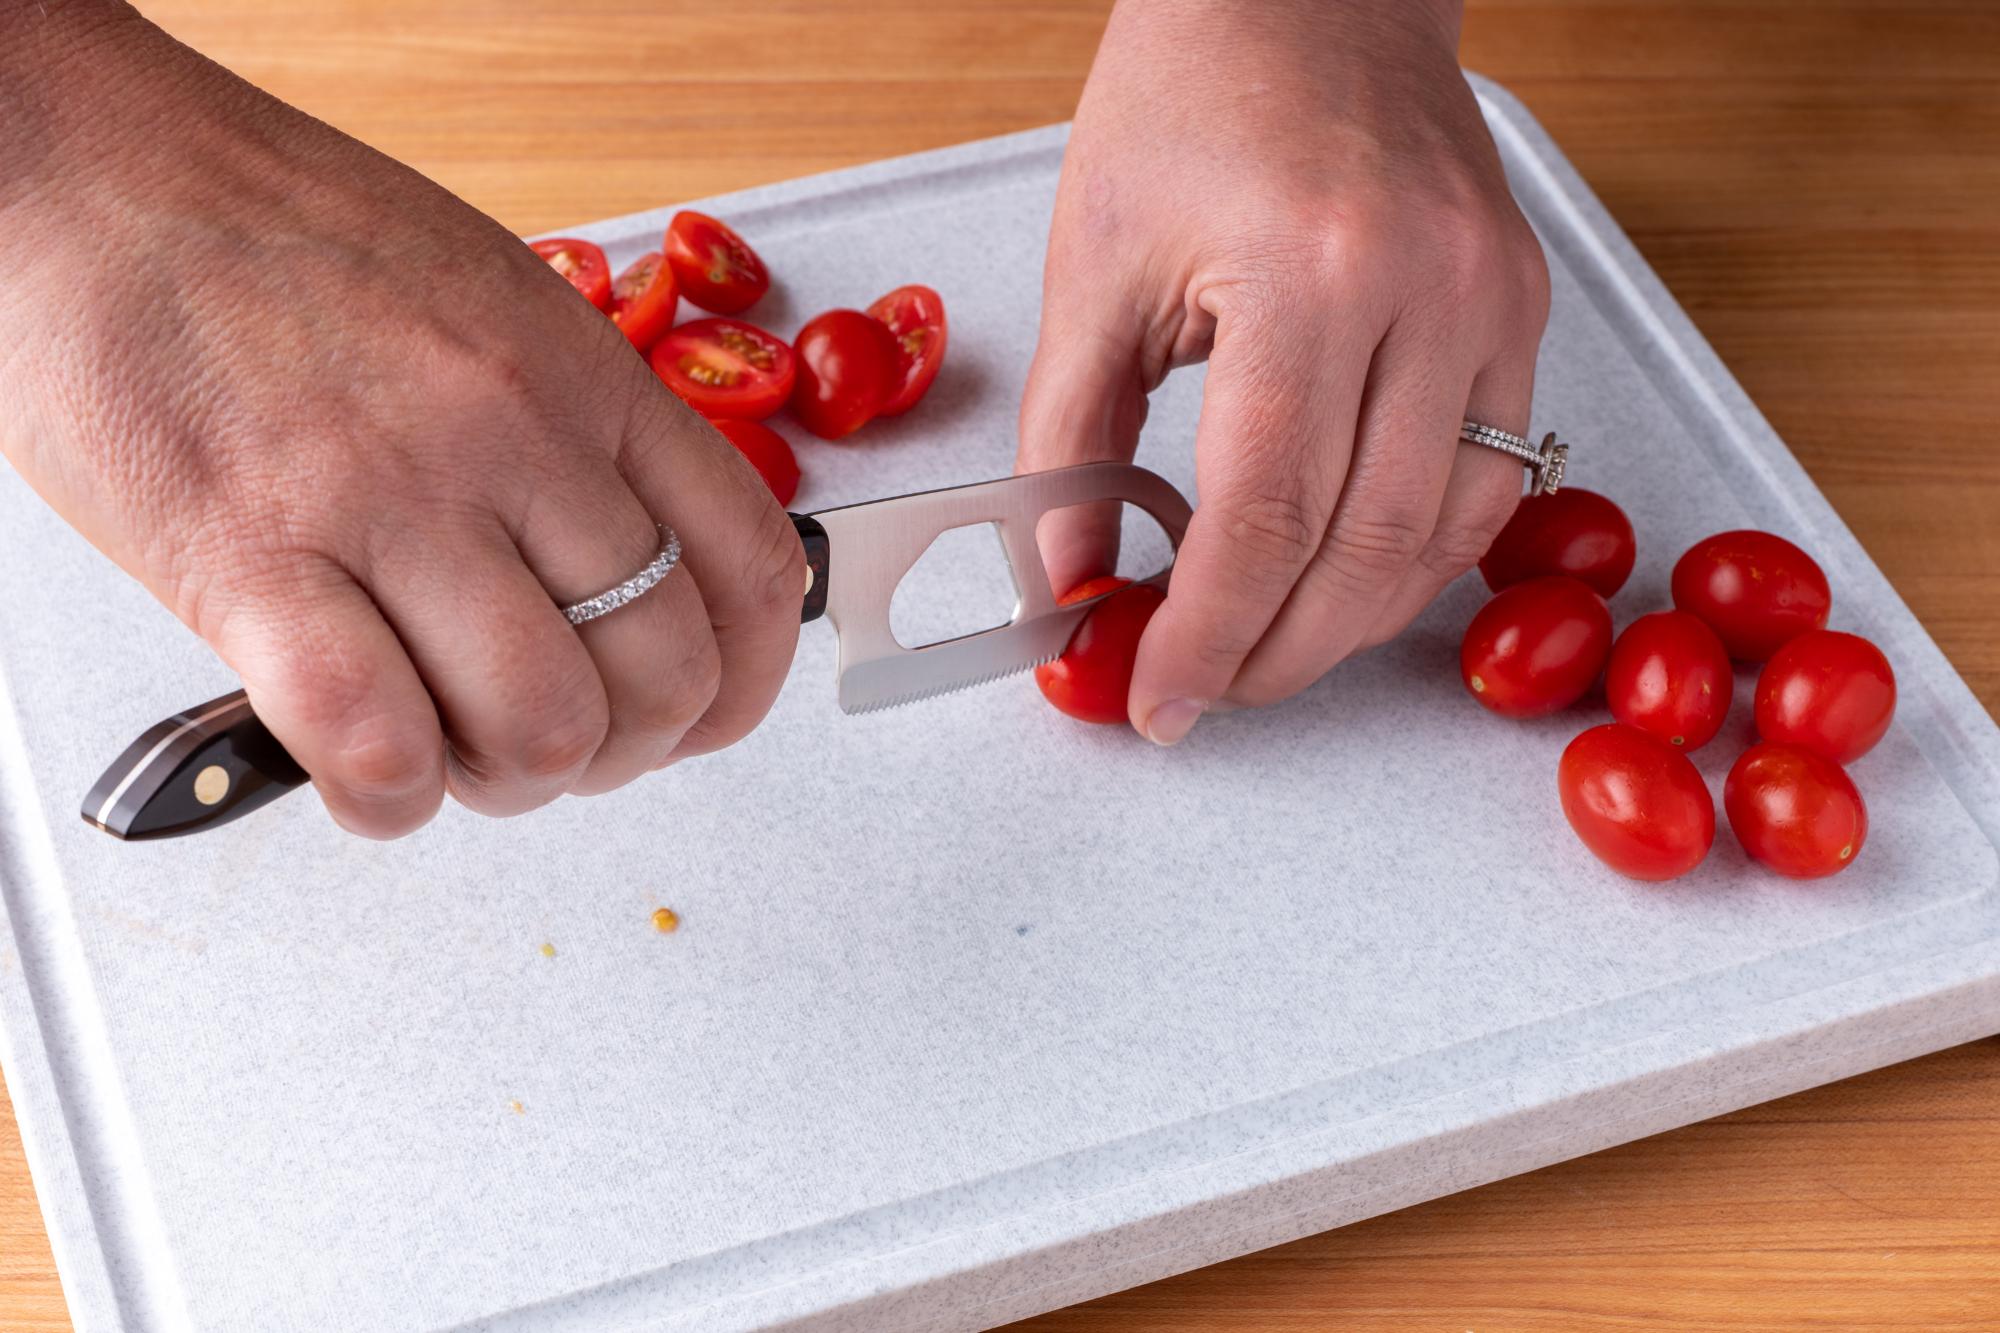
(364, 441)
(1343, 250)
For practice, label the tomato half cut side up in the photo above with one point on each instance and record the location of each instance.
(767, 452)
(725, 368)
(1093, 677)
(916, 316)
(643, 299)
(582, 263)
(716, 268)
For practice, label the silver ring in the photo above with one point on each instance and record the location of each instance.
(661, 565)
(1547, 462)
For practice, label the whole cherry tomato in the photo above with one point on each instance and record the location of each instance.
(725, 368)
(1536, 647)
(916, 316)
(1796, 811)
(1570, 531)
(1636, 802)
(582, 263)
(767, 452)
(643, 300)
(1092, 678)
(849, 364)
(716, 269)
(1829, 692)
(1670, 676)
(1755, 590)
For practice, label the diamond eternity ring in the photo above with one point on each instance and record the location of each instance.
(590, 608)
(1547, 462)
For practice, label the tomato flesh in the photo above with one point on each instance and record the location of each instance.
(767, 452)
(1795, 811)
(1575, 532)
(716, 269)
(582, 263)
(1756, 590)
(1829, 692)
(1669, 675)
(1093, 677)
(915, 315)
(848, 367)
(726, 368)
(1536, 647)
(1636, 802)
(643, 300)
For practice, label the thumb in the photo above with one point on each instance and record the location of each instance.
(1084, 403)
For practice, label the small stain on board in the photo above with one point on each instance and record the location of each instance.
(666, 920)
(516, 1107)
(548, 950)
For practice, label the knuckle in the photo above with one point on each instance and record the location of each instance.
(773, 577)
(562, 748)
(687, 687)
(378, 758)
(1455, 549)
(1368, 548)
(1269, 535)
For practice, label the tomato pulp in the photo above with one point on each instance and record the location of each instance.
(725, 368)
(716, 269)
(582, 263)
(915, 315)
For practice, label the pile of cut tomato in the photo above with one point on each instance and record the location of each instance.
(843, 369)
(1823, 698)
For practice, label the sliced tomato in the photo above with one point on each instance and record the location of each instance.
(726, 368)
(847, 370)
(1092, 678)
(643, 300)
(767, 452)
(716, 268)
(580, 262)
(916, 316)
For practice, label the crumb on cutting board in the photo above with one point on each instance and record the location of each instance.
(666, 920)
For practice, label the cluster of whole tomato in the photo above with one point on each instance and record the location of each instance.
(1823, 698)
(844, 369)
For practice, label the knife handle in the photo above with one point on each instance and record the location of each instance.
(208, 765)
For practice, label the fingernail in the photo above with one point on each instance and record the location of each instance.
(1175, 718)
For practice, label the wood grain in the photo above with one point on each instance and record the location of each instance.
(1817, 180)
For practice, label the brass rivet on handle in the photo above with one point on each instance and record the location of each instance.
(211, 784)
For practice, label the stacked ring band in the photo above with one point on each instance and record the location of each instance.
(661, 565)
(1547, 462)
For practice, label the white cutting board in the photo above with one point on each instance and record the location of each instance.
(975, 1011)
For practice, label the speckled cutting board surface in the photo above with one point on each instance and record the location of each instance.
(974, 1011)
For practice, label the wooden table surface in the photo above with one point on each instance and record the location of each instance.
(1818, 181)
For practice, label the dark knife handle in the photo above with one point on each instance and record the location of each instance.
(210, 764)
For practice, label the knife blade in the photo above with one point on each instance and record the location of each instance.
(216, 762)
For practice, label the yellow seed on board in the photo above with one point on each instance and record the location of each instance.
(517, 1108)
(548, 950)
(665, 921)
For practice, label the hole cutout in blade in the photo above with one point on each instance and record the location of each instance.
(1082, 542)
(960, 585)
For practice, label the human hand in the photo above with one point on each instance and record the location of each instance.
(363, 441)
(1305, 195)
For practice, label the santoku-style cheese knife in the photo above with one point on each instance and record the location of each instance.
(216, 762)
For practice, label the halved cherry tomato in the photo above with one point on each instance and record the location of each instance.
(580, 262)
(1636, 802)
(848, 367)
(1570, 531)
(767, 452)
(1536, 647)
(1755, 590)
(1829, 692)
(726, 368)
(1669, 675)
(643, 300)
(716, 269)
(1092, 678)
(1796, 811)
(916, 316)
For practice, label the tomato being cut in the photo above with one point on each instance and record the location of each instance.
(716, 269)
(1636, 802)
(1755, 590)
(848, 367)
(1670, 676)
(582, 263)
(725, 368)
(643, 300)
(916, 316)
(1536, 647)
(1796, 811)
(1570, 531)
(1092, 678)
(767, 452)
(1830, 692)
